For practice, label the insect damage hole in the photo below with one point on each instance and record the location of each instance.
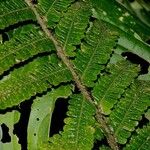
(59, 114)
(37, 119)
(6, 137)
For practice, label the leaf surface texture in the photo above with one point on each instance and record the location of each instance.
(129, 110)
(31, 79)
(111, 86)
(14, 11)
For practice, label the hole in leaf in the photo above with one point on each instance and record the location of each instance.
(4, 37)
(144, 121)
(90, 24)
(146, 1)
(148, 41)
(98, 143)
(59, 114)
(37, 119)
(131, 1)
(34, 134)
(92, 19)
(137, 60)
(6, 137)
(35, 1)
(20, 129)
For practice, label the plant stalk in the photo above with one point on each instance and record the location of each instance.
(61, 54)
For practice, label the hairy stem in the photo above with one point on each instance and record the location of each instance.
(61, 54)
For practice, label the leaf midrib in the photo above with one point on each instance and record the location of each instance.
(78, 125)
(25, 45)
(28, 83)
(70, 29)
(144, 142)
(25, 8)
(50, 8)
(114, 80)
(91, 58)
(127, 111)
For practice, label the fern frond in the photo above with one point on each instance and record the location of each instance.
(22, 47)
(14, 11)
(129, 110)
(111, 86)
(33, 78)
(95, 52)
(53, 10)
(78, 132)
(71, 27)
(141, 141)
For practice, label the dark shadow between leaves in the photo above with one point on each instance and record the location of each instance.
(137, 60)
(59, 114)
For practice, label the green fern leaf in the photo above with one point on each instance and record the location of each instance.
(111, 86)
(129, 110)
(71, 27)
(41, 113)
(114, 13)
(22, 47)
(14, 11)
(141, 141)
(95, 52)
(126, 25)
(78, 132)
(134, 45)
(33, 78)
(53, 10)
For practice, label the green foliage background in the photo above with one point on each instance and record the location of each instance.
(94, 35)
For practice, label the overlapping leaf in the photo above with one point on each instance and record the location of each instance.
(78, 132)
(53, 10)
(95, 52)
(71, 27)
(23, 46)
(122, 21)
(117, 15)
(110, 86)
(129, 110)
(33, 78)
(14, 11)
(40, 116)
